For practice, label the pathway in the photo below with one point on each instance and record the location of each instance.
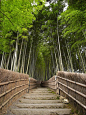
(40, 101)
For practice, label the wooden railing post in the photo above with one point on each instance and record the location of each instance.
(67, 86)
(58, 88)
(29, 85)
(11, 92)
(75, 90)
(58, 85)
(55, 83)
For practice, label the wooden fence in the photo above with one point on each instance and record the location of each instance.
(13, 86)
(33, 83)
(51, 83)
(72, 86)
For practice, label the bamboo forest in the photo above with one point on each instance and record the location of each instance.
(41, 37)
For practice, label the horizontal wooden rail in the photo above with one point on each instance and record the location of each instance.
(73, 98)
(73, 90)
(51, 81)
(70, 85)
(83, 85)
(52, 84)
(11, 90)
(12, 86)
(12, 97)
(5, 83)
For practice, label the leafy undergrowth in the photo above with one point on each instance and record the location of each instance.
(54, 93)
(74, 111)
(51, 91)
(58, 98)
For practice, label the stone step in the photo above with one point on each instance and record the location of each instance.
(40, 92)
(34, 111)
(38, 101)
(41, 89)
(42, 106)
(40, 97)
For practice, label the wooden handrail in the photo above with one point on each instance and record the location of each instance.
(12, 97)
(11, 90)
(73, 98)
(83, 85)
(5, 83)
(71, 89)
(83, 95)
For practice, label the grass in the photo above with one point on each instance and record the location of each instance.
(58, 98)
(73, 110)
(19, 100)
(51, 91)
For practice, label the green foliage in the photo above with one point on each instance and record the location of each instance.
(37, 24)
(74, 24)
(17, 16)
(25, 37)
(78, 43)
(20, 35)
(8, 35)
(13, 41)
(75, 20)
(77, 4)
(58, 97)
(24, 30)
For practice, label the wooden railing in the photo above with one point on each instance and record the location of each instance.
(33, 83)
(73, 89)
(72, 86)
(51, 83)
(10, 91)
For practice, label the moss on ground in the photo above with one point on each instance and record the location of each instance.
(51, 91)
(74, 111)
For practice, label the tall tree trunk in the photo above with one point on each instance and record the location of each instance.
(69, 57)
(25, 48)
(12, 61)
(20, 55)
(53, 63)
(57, 67)
(60, 56)
(23, 58)
(2, 61)
(29, 56)
(67, 67)
(8, 60)
(16, 53)
(83, 66)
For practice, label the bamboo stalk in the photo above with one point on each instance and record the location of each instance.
(2, 61)
(29, 56)
(60, 56)
(8, 60)
(20, 54)
(69, 57)
(15, 55)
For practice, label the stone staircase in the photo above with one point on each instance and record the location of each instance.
(40, 101)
